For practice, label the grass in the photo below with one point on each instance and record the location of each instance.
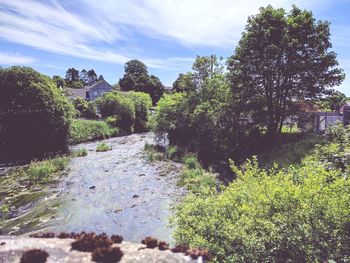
(89, 130)
(159, 153)
(80, 153)
(39, 171)
(289, 153)
(154, 153)
(23, 192)
(195, 178)
(103, 147)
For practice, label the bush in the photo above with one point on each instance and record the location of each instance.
(85, 109)
(170, 118)
(115, 104)
(34, 115)
(295, 215)
(103, 147)
(88, 130)
(142, 104)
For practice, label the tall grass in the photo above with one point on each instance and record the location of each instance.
(38, 171)
(195, 178)
(89, 130)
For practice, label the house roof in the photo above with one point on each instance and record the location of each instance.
(74, 93)
(98, 84)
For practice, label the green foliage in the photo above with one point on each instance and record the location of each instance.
(185, 83)
(88, 130)
(292, 152)
(86, 109)
(206, 121)
(34, 115)
(136, 78)
(39, 171)
(195, 178)
(118, 105)
(80, 153)
(294, 215)
(281, 59)
(142, 104)
(103, 147)
(332, 102)
(154, 153)
(335, 153)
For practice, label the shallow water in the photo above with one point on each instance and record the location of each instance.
(118, 191)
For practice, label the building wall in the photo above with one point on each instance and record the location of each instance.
(99, 90)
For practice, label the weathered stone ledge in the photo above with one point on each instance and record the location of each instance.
(12, 249)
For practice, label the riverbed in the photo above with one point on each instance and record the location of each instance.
(117, 192)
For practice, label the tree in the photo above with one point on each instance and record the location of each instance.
(72, 74)
(136, 78)
(156, 89)
(184, 83)
(282, 59)
(84, 77)
(34, 115)
(336, 99)
(135, 68)
(92, 76)
(206, 67)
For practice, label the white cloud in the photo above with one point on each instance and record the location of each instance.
(14, 59)
(92, 29)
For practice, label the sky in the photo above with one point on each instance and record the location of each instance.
(52, 36)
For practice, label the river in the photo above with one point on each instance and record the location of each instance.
(117, 191)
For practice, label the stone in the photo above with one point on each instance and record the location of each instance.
(59, 250)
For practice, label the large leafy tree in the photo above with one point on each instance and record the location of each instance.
(282, 59)
(184, 83)
(34, 115)
(136, 78)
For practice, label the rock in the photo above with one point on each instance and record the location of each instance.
(118, 209)
(133, 206)
(92, 187)
(135, 196)
(142, 175)
(59, 250)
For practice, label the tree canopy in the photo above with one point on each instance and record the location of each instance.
(34, 114)
(136, 78)
(281, 59)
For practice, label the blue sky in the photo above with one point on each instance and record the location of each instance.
(166, 35)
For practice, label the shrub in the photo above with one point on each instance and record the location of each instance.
(191, 161)
(142, 104)
(85, 109)
(34, 115)
(115, 104)
(170, 117)
(103, 147)
(292, 215)
(88, 130)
